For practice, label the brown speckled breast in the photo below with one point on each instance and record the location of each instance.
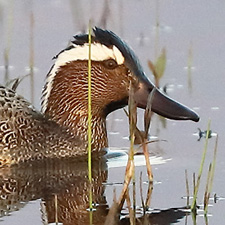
(25, 134)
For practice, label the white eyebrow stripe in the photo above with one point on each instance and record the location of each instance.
(118, 56)
(99, 52)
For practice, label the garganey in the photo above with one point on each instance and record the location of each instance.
(60, 129)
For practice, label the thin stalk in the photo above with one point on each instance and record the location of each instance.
(91, 217)
(89, 119)
(147, 160)
(207, 187)
(187, 188)
(147, 122)
(194, 218)
(32, 55)
(194, 210)
(133, 121)
(127, 179)
(131, 212)
(193, 206)
(141, 194)
(186, 219)
(189, 66)
(194, 183)
(206, 220)
(211, 175)
(149, 195)
(44, 215)
(134, 198)
(56, 210)
(133, 174)
(10, 23)
(157, 29)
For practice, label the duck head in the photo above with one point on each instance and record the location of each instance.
(114, 66)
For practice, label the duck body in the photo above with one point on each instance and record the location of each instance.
(60, 129)
(26, 134)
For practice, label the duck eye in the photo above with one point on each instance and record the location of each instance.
(110, 63)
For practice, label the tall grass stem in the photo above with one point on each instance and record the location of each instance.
(10, 24)
(32, 55)
(187, 188)
(56, 210)
(89, 118)
(211, 177)
(193, 206)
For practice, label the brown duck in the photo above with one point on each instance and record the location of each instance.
(60, 129)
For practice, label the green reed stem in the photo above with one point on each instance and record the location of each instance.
(193, 206)
(207, 188)
(212, 172)
(89, 117)
(189, 66)
(187, 188)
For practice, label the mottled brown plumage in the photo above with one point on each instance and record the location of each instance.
(25, 134)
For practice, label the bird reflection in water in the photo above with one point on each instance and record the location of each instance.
(68, 180)
(43, 180)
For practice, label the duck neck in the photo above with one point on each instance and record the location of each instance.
(67, 105)
(77, 125)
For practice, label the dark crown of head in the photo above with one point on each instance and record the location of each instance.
(110, 39)
(105, 37)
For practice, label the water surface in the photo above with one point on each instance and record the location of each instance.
(28, 195)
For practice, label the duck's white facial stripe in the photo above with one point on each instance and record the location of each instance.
(99, 52)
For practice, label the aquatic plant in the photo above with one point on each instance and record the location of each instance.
(31, 59)
(190, 67)
(209, 182)
(158, 68)
(196, 187)
(210, 178)
(10, 25)
(89, 119)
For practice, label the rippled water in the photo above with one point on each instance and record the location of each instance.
(193, 32)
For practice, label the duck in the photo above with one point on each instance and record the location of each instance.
(59, 129)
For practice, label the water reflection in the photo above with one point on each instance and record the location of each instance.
(162, 217)
(67, 181)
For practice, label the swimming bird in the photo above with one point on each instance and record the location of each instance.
(60, 129)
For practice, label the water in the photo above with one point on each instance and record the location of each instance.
(198, 25)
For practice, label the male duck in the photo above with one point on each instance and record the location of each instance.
(60, 130)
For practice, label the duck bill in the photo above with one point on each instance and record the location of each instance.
(162, 104)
